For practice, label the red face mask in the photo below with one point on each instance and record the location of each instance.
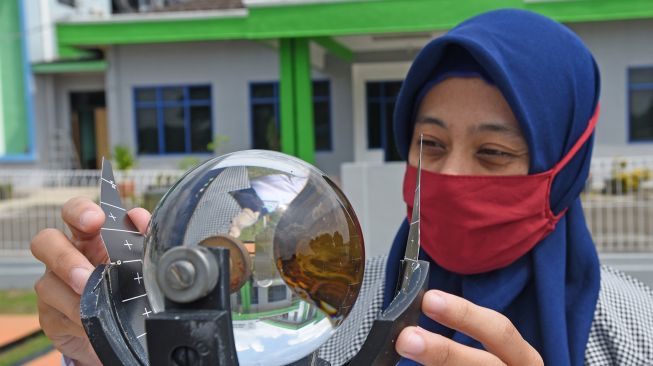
(476, 224)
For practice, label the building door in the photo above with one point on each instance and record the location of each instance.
(88, 127)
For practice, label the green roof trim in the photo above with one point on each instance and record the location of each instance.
(69, 66)
(335, 19)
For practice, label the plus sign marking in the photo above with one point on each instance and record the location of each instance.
(111, 216)
(147, 313)
(128, 244)
(138, 278)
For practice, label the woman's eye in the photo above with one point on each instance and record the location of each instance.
(495, 153)
(432, 144)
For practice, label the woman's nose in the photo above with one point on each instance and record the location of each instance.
(456, 163)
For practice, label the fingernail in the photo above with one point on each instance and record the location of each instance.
(78, 278)
(414, 344)
(436, 302)
(87, 217)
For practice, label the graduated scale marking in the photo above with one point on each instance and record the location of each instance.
(134, 298)
(124, 244)
(113, 185)
(108, 204)
(138, 278)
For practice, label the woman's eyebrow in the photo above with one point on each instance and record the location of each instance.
(498, 127)
(431, 120)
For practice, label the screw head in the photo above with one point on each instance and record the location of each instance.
(180, 274)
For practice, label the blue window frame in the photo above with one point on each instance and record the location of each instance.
(264, 112)
(640, 104)
(380, 97)
(173, 119)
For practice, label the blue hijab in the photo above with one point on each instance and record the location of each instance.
(551, 82)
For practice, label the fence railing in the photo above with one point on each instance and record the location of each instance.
(31, 200)
(618, 201)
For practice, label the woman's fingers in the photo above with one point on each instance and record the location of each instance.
(432, 349)
(140, 217)
(54, 292)
(53, 248)
(492, 329)
(84, 219)
(56, 324)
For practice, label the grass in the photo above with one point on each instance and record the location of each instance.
(18, 302)
(18, 353)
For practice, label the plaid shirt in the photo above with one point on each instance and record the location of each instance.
(621, 333)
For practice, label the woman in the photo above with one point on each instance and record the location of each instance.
(505, 103)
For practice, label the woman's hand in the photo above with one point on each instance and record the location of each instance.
(504, 344)
(68, 265)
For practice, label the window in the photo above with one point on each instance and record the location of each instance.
(276, 293)
(265, 111)
(70, 3)
(173, 119)
(640, 104)
(381, 97)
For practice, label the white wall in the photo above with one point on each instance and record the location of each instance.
(375, 192)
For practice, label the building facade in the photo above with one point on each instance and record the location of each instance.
(317, 79)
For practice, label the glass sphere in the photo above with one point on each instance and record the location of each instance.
(296, 249)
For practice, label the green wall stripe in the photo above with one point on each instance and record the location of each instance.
(14, 118)
(286, 96)
(296, 98)
(337, 18)
(304, 102)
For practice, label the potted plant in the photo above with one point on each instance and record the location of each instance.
(124, 161)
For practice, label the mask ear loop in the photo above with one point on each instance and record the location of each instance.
(562, 163)
(579, 143)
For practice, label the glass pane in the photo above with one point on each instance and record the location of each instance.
(200, 92)
(391, 153)
(148, 139)
(392, 89)
(321, 88)
(146, 95)
(373, 125)
(373, 89)
(264, 90)
(173, 94)
(277, 293)
(254, 295)
(322, 117)
(641, 115)
(200, 128)
(641, 75)
(265, 131)
(173, 121)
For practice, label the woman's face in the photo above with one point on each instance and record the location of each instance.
(468, 129)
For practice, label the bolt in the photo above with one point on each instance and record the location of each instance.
(180, 274)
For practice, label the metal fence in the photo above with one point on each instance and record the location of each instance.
(618, 201)
(31, 200)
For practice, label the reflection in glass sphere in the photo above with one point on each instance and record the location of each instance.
(296, 249)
